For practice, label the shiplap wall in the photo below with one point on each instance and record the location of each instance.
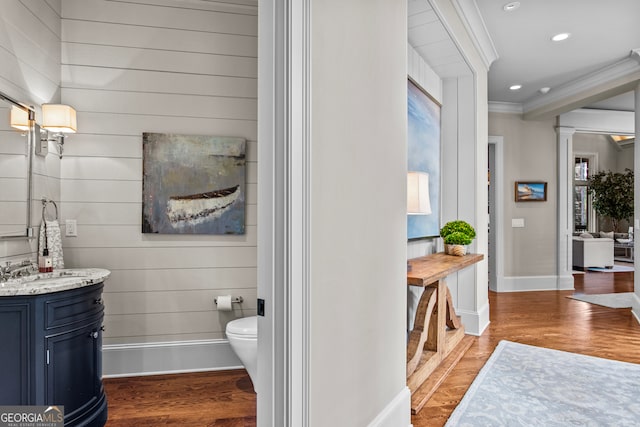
(30, 73)
(185, 67)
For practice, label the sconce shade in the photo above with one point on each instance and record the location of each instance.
(59, 118)
(418, 194)
(19, 118)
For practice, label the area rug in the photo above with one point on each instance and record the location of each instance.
(614, 269)
(617, 300)
(523, 385)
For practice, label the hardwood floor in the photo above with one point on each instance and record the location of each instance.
(220, 399)
(546, 319)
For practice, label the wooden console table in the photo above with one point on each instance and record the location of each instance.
(437, 341)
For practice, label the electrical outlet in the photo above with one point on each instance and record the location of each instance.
(71, 228)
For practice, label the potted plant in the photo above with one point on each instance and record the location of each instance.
(612, 194)
(457, 235)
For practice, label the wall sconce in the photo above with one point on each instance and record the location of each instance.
(19, 118)
(59, 119)
(418, 194)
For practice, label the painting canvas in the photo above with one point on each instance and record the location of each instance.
(527, 191)
(193, 184)
(423, 155)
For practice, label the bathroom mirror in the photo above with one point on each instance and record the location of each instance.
(16, 162)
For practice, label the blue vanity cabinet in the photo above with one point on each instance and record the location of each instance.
(60, 356)
(16, 353)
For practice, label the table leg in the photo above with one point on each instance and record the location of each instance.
(423, 327)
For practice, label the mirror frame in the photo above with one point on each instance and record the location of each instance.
(31, 135)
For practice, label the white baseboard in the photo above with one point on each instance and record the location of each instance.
(635, 307)
(123, 360)
(535, 283)
(396, 413)
(565, 283)
(475, 322)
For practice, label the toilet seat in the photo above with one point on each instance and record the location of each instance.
(245, 327)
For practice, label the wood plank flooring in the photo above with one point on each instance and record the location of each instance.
(546, 319)
(220, 399)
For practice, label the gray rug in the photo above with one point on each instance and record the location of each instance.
(617, 300)
(522, 385)
(614, 269)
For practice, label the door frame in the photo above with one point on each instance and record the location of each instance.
(496, 215)
(284, 208)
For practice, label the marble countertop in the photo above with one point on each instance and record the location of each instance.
(59, 280)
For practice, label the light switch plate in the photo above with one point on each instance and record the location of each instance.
(517, 222)
(71, 228)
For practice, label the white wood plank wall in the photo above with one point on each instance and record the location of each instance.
(156, 66)
(30, 73)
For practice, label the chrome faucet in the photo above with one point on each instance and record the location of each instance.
(10, 271)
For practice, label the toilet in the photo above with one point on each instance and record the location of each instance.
(243, 337)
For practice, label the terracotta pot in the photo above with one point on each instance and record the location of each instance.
(457, 250)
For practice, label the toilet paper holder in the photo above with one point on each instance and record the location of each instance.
(236, 300)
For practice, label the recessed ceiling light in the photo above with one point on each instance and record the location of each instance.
(560, 37)
(544, 89)
(510, 7)
(515, 87)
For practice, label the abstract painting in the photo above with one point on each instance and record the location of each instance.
(423, 133)
(193, 184)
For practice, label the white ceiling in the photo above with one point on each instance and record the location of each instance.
(602, 33)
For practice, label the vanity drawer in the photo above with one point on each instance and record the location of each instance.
(79, 306)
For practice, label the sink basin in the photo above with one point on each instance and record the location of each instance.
(55, 281)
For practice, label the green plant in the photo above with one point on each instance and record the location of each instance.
(458, 226)
(612, 194)
(457, 238)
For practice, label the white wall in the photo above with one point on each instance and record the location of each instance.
(140, 66)
(529, 154)
(602, 146)
(29, 73)
(625, 158)
(358, 225)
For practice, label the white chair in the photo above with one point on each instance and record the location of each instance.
(592, 252)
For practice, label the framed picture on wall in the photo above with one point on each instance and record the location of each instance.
(530, 191)
(193, 184)
(423, 146)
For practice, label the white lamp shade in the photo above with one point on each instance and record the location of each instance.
(19, 118)
(418, 194)
(59, 118)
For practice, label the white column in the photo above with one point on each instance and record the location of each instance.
(565, 207)
(635, 309)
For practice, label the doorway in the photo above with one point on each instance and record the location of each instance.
(495, 182)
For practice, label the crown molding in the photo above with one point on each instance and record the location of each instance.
(505, 107)
(475, 26)
(613, 79)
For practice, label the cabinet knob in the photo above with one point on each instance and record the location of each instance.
(94, 334)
